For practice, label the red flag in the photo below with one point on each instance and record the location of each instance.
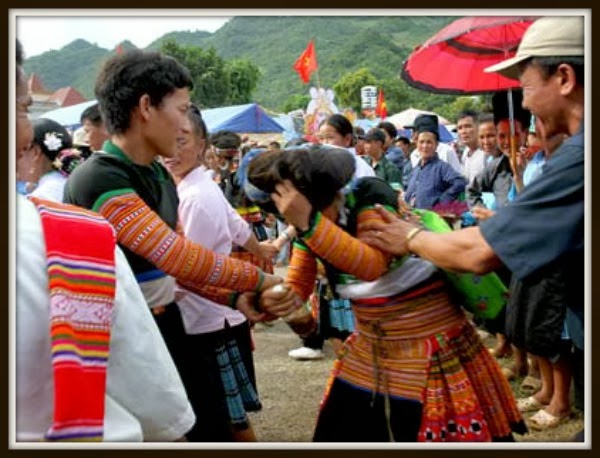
(381, 109)
(307, 62)
(119, 48)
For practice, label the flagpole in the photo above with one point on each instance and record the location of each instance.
(317, 70)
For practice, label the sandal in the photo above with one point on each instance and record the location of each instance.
(531, 383)
(500, 352)
(509, 374)
(529, 404)
(543, 420)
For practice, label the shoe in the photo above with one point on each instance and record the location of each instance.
(531, 384)
(483, 334)
(509, 373)
(305, 353)
(543, 420)
(529, 404)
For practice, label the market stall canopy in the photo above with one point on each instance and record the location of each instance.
(249, 118)
(405, 119)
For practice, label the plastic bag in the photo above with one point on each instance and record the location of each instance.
(484, 296)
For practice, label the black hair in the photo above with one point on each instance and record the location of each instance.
(92, 114)
(319, 172)
(297, 142)
(44, 126)
(466, 114)
(389, 128)
(340, 123)
(403, 139)
(195, 116)
(500, 107)
(549, 65)
(225, 139)
(486, 117)
(375, 134)
(125, 78)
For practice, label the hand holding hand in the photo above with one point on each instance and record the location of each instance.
(280, 300)
(269, 281)
(245, 304)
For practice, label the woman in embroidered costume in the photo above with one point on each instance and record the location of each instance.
(144, 99)
(414, 369)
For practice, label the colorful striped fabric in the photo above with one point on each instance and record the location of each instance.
(143, 232)
(344, 252)
(80, 248)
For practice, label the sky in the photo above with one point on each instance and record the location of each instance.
(41, 30)
(40, 33)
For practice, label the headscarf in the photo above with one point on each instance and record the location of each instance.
(319, 172)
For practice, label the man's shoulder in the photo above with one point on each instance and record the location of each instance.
(100, 163)
(98, 174)
(568, 155)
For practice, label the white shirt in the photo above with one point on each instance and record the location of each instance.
(445, 152)
(210, 220)
(145, 398)
(363, 169)
(51, 186)
(473, 164)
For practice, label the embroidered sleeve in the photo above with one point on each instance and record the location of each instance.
(302, 270)
(345, 252)
(143, 232)
(221, 296)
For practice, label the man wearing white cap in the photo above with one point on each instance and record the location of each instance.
(543, 229)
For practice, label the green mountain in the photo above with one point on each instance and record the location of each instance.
(343, 44)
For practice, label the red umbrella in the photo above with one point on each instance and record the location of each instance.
(453, 60)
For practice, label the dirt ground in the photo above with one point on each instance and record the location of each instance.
(291, 390)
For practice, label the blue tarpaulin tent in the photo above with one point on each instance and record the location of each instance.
(249, 118)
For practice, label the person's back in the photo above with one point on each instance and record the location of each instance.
(138, 356)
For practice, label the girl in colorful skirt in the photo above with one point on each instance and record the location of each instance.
(414, 369)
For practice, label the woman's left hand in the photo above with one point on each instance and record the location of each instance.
(245, 304)
(292, 204)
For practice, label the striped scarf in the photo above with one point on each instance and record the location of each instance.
(80, 248)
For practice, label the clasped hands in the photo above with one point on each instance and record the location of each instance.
(269, 304)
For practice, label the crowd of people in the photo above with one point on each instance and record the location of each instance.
(147, 256)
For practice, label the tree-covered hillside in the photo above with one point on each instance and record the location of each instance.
(343, 44)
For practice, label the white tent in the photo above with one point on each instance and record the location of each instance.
(407, 117)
